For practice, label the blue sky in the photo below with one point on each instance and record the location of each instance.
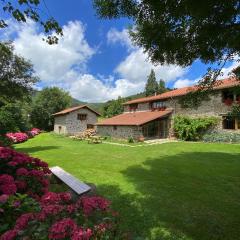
(95, 60)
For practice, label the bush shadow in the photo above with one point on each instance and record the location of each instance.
(185, 196)
(30, 150)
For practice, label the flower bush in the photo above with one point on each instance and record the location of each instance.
(29, 211)
(22, 173)
(17, 137)
(62, 218)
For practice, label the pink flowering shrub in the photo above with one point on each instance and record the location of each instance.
(22, 173)
(29, 211)
(17, 137)
(62, 218)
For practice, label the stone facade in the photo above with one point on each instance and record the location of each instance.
(123, 132)
(69, 124)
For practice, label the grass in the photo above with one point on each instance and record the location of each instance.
(173, 191)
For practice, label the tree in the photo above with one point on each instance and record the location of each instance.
(22, 10)
(180, 32)
(152, 85)
(161, 86)
(113, 107)
(12, 118)
(47, 102)
(16, 76)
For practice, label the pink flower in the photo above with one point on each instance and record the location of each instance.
(9, 235)
(65, 197)
(50, 198)
(81, 234)
(3, 198)
(94, 203)
(62, 229)
(8, 189)
(23, 221)
(22, 172)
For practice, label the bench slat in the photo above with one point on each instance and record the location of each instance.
(76, 185)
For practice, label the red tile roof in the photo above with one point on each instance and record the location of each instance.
(135, 118)
(68, 110)
(221, 84)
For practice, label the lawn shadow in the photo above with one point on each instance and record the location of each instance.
(30, 150)
(186, 196)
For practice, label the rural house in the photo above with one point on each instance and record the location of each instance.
(75, 120)
(151, 117)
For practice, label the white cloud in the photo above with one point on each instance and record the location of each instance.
(53, 62)
(183, 83)
(65, 64)
(136, 66)
(115, 36)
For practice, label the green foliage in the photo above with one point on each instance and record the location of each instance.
(152, 85)
(191, 129)
(47, 102)
(16, 76)
(22, 10)
(12, 118)
(228, 137)
(162, 87)
(130, 140)
(113, 107)
(179, 32)
(4, 141)
(15, 206)
(194, 99)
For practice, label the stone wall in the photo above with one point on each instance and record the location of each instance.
(123, 132)
(69, 124)
(60, 124)
(74, 125)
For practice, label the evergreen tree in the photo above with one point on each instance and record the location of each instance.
(152, 85)
(161, 86)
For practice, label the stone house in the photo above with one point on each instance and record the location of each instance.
(75, 120)
(152, 117)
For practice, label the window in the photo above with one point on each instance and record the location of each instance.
(114, 127)
(228, 97)
(133, 107)
(82, 117)
(228, 122)
(157, 105)
(90, 126)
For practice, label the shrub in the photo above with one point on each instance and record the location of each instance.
(130, 140)
(5, 141)
(222, 137)
(22, 173)
(38, 214)
(62, 218)
(188, 129)
(17, 137)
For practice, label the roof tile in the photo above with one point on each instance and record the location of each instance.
(135, 118)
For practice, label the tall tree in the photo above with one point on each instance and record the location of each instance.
(152, 85)
(16, 75)
(161, 86)
(180, 32)
(48, 101)
(21, 10)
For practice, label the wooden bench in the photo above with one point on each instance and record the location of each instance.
(71, 181)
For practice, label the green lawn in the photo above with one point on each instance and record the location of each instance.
(169, 191)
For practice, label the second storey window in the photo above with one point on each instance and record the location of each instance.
(133, 107)
(228, 97)
(82, 117)
(156, 105)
